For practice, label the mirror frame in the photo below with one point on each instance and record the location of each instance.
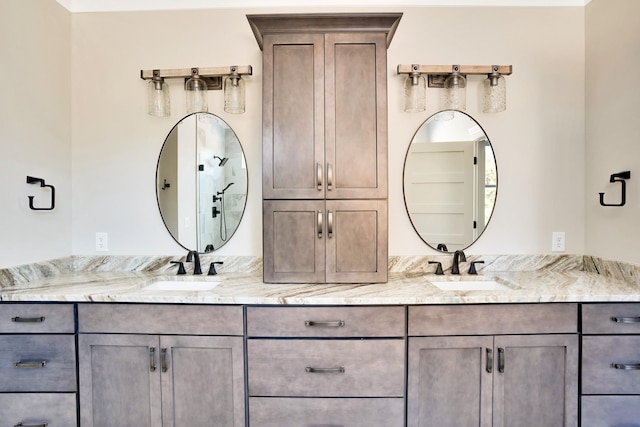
(404, 192)
(158, 188)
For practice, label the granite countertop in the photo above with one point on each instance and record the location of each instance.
(237, 288)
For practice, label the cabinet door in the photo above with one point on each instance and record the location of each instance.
(202, 381)
(356, 116)
(356, 241)
(536, 381)
(293, 116)
(119, 380)
(450, 381)
(294, 244)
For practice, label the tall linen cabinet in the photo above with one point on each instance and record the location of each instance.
(324, 130)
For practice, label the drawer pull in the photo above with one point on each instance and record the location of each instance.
(501, 360)
(31, 425)
(30, 365)
(489, 360)
(163, 359)
(626, 366)
(626, 319)
(152, 359)
(19, 319)
(325, 324)
(338, 370)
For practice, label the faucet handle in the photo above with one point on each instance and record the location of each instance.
(212, 268)
(472, 267)
(439, 271)
(181, 269)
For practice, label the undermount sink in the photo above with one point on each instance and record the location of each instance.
(180, 285)
(471, 285)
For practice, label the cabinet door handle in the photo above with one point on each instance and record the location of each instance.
(163, 359)
(19, 319)
(325, 324)
(501, 360)
(319, 225)
(489, 365)
(152, 359)
(329, 224)
(337, 370)
(329, 176)
(319, 176)
(625, 319)
(626, 366)
(31, 425)
(30, 365)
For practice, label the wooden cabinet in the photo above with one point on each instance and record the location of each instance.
(325, 139)
(493, 380)
(610, 364)
(311, 366)
(151, 380)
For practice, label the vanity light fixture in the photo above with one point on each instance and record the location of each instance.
(453, 79)
(415, 91)
(198, 81)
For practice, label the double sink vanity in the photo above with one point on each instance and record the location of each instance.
(83, 337)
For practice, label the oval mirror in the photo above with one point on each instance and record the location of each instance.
(201, 182)
(450, 181)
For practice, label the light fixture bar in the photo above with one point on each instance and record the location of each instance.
(202, 72)
(443, 70)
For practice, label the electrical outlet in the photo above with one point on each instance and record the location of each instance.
(557, 241)
(102, 242)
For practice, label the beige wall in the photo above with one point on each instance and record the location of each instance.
(613, 104)
(35, 118)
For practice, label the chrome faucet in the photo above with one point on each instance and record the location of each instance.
(457, 257)
(195, 257)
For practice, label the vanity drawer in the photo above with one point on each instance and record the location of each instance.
(495, 319)
(37, 318)
(611, 411)
(315, 412)
(326, 368)
(37, 363)
(163, 319)
(37, 409)
(325, 321)
(611, 365)
(611, 318)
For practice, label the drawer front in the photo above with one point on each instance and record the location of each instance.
(36, 409)
(325, 321)
(611, 365)
(37, 318)
(316, 412)
(497, 319)
(611, 318)
(37, 363)
(326, 368)
(611, 411)
(160, 319)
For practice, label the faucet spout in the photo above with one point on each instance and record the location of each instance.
(457, 257)
(195, 257)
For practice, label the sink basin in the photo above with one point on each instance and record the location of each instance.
(185, 286)
(470, 285)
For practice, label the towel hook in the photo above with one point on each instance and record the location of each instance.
(32, 180)
(618, 177)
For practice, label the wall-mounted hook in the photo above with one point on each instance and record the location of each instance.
(32, 180)
(618, 177)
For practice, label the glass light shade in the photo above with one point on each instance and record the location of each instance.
(159, 103)
(495, 94)
(234, 94)
(196, 89)
(455, 93)
(415, 93)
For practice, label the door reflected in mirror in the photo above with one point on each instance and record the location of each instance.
(201, 182)
(450, 181)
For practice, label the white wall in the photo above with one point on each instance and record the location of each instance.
(613, 104)
(35, 119)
